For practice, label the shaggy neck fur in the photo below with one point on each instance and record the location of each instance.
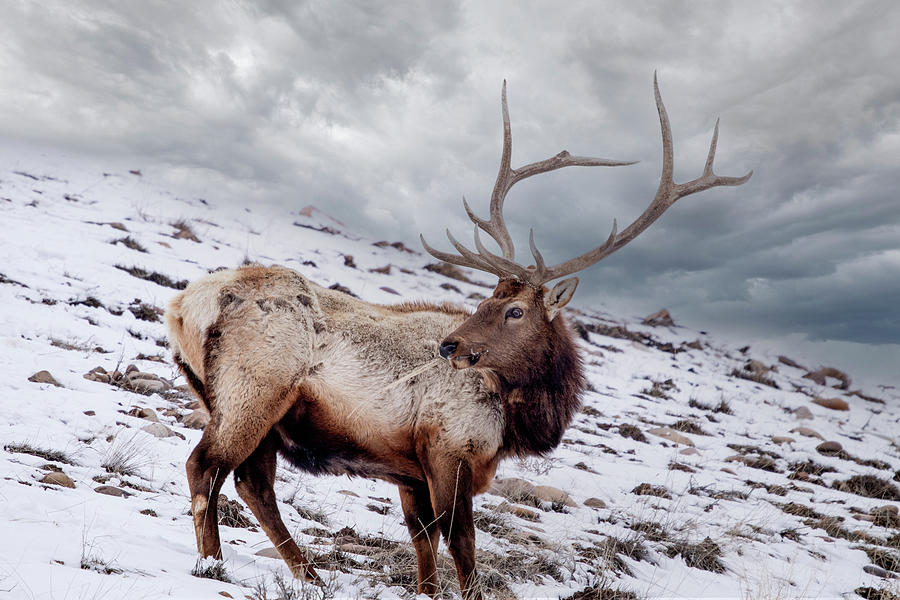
(541, 402)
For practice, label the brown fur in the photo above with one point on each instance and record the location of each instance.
(288, 367)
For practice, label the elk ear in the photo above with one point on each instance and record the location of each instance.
(559, 296)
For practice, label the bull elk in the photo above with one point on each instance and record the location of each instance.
(337, 385)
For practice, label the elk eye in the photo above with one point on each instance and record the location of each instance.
(514, 313)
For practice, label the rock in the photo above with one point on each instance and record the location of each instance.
(820, 375)
(879, 572)
(546, 493)
(791, 363)
(348, 493)
(513, 489)
(727, 470)
(806, 431)
(696, 345)
(519, 511)
(689, 451)
(385, 288)
(198, 419)
(802, 412)
(595, 503)
(832, 403)
(97, 374)
(58, 478)
(661, 317)
(782, 439)
(44, 377)
(90, 413)
(161, 431)
(144, 413)
(829, 448)
(671, 435)
(111, 490)
(269, 552)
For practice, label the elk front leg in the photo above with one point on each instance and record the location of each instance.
(254, 480)
(425, 534)
(451, 490)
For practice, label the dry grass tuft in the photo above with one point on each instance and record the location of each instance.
(869, 486)
(46, 454)
(703, 555)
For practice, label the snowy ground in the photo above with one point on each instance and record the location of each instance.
(744, 506)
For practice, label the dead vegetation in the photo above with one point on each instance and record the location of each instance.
(869, 486)
(755, 377)
(703, 555)
(722, 407)
(129, 242)
(152, 276)
(45, 453)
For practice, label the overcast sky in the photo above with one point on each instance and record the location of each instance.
(384, 114)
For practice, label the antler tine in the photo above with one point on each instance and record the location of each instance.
(461, 261)
(666, 195)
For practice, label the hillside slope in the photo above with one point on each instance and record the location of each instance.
(694, 470)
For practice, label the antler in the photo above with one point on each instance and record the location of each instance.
(495, 226)
(666, 195)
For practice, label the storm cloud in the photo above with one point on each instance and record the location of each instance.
(385, 114)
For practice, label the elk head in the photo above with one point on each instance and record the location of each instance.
(518, 325)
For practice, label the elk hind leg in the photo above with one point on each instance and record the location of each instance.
(229, 439)
(254, 480)
(425, 533)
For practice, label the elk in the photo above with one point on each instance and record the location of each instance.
(428, 396)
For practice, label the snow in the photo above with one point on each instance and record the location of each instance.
(57, 253)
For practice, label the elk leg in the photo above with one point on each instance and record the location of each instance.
(229, 439)
(425, 534)
(254, 480)
(451, 496)
(205, 474)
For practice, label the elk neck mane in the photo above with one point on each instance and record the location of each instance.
(542, 401)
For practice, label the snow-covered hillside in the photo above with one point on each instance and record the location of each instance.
(693, 470)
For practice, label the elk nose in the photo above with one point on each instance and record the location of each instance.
(447, 348)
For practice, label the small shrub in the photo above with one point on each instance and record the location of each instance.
(209, 568)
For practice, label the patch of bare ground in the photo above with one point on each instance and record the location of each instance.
(869, 486)
(677, 466)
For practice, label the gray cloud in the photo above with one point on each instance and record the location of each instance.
(384, 115)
